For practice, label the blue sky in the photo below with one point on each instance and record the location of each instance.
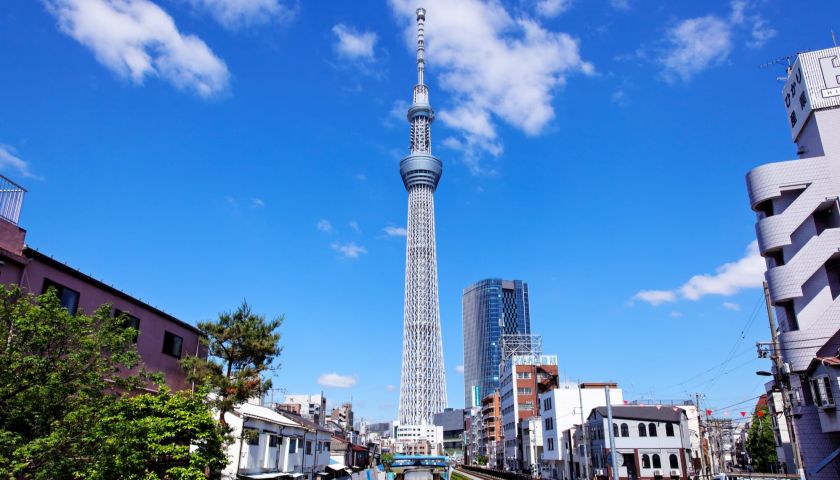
(198, 152)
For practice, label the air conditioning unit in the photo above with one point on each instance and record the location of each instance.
(675, 473)
(657, 473)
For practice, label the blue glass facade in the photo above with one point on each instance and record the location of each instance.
(490, 308)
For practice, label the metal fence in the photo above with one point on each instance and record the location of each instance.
(11, 200)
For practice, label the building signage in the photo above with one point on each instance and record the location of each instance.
(476, 396)
(813, 83)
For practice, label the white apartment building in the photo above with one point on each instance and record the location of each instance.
(416, 433)
(530, 431)
(561, 410)
(798, 233)
(271, 442)
(653, 442)
(312, 407)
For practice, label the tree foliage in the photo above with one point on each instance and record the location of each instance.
(760, 439)
(245, 345)
(64, 404)
(481, 460)
(387, 459)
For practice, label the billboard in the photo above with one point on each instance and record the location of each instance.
(813, 83)
(476, 396)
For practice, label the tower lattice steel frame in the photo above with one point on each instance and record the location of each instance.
(423, 383)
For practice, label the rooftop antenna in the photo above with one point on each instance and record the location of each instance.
(785, 60)
(833, 39)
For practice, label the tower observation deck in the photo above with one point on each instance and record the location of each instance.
(423, 382)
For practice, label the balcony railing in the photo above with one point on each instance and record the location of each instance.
(11, 200)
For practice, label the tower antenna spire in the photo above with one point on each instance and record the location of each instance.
(421, 44)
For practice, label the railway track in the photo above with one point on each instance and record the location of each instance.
(492, 474)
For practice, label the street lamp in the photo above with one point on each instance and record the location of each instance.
(763, 373)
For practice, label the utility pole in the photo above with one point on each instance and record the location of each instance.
(700, 434)
(782, 379)
(613, 453)
(583, 430)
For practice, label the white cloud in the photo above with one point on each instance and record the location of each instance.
(335, 380)
(729, 279)
(695, 45)
(349, 250)
(390, 388)
(325, 226)
(352, 44)
(257, 203)
(459, 369)
(355, 226)
(234, 14)
(732, 306)
(699, 43)
(8, 159)
(395, 231)
(676, 314)
(361, 176)
(137, 39)
(495, 66)
(552, 8)
(620, 4)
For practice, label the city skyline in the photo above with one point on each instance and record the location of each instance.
(594, 191)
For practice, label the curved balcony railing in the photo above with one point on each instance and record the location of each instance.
(774, 232)
(786, 281)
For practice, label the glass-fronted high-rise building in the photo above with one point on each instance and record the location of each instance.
(490, 308)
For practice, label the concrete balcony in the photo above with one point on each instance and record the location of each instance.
(766, 182)
(774, 232)
(786, 281)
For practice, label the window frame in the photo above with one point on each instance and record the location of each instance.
(645, 460)
(674, 459)
(669, 429)
(642, 430)
(652, 430)
(625, 430)
(126, 324)
(167, 335)
(59, 292)
(656, 460)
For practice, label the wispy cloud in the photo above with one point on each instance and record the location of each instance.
(257, 203)
(729, 279)
(353, 44)
(361, 176)
(552, 8)
(137, 39)
(325, 226)
(459, 369)
(9, 160)
(732, 306)
(349, 250)
(620, 4)
(335, 380)
(355, 226)
(696, 44)
(395, 231)
(390, 388)
(676, 314)
(236, 14)
(496, 66)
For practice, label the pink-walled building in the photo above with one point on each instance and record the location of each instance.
(163, 339)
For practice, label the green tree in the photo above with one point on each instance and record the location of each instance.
(387, 459)
(65, 410)
(481, 460)
(760, 439)
(245, 345)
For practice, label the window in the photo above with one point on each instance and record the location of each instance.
(625, 432)
(549, 423)
(669, 429)
(273, 440)
(524, 391)
(642, 430)
(828, 395)
(172, 344)
(319, 446)
(68, 299)
(547, 404)
(308, 447)
(326, 446)
(675, 463)
(550, 444)
(131, 322)
(615, 430)
(252, 435)
(652, 430)
(656, 462)
(292, 446)
(523, 375)
(790, 315)
(645, 461)
(526, 406)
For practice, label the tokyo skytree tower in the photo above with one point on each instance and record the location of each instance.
(423, 385)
